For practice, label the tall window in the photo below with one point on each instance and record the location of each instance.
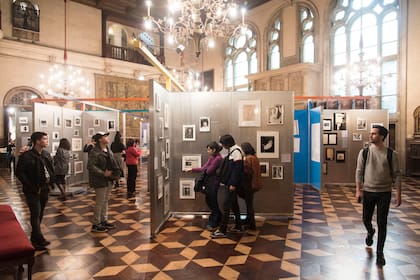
(241, 59)
(307, 35)
(274, 45)
(365, 50)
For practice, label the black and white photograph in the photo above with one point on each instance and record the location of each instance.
(24, 128)
(166, 172)
(326, 124)
(166, 114)
(68, 123)
(191, 161)
(204, 124)
(157, 102)
(161, 128)
(43, 123)
(340, 156)
(23, 120)
(340, 121)
(78, 167)
(332, 138)
(329, 154)
(167, 148)
(268, 144)
(96, 122)
(188, 132)
(361, 124)
(186, 189)
(91, 131)
(57, 119)
(160, 186)
(325, 140)
(357, 137)
(163, 159)
(111, 125)
(55, 135)
(76, 144)
(76, 133)
(277, 172)
(75, 156)
(275, 114)
(54, 147)
(77, 121)
(265, 169)
(249, 113)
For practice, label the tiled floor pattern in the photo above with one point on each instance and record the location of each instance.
(324, 240)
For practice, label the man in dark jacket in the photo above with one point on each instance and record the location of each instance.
(103, 170)
(35, 172)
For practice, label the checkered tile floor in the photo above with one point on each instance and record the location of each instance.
(324, 240)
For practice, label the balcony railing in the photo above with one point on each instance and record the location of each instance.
(126, 54)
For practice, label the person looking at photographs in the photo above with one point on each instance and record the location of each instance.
(100, 166)
(132, 155)
(35, 171)
(251, 182)
(10, 156)
(233, 183)
(89, 146)
(212, 183)
(61, 166)
(376, 173)
(118, 149)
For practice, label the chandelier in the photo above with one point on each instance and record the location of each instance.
(64, 79)
(201, 21)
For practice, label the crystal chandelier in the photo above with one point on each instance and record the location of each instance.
(64, 79)
(201, 21)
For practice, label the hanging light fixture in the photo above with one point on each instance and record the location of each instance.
(200, 21)
(64, 79)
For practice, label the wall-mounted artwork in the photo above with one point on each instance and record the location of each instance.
(340, 156)
(161, 128)
(75, 156)
(249, 113)
(91, 132)
(204, 124)
(167, 148)
(275, 114)
(159, 186)
(265, 169)
(54, 147)
(55, 135)
(268, 144)
(111, 125)
(332, 138)
(166, 172)
(68, 123)
(186, 189)
(43, 123)
(77, 121)
(188, 133)
(163, 159)
(24, 128)
(357, 137)
(340, 121)
(191, 161)
(23, 120)
(361, 124)
(57, 119)
(157, 102)
(78, 167)
(329, 154)
(166, 115)
(96, 122)
(76, 144)
(76, 133)
(327, 124)
(277, 172)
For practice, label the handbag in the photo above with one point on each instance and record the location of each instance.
(200, 182)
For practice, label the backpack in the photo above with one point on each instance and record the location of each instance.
(225, 169)
(389, 153)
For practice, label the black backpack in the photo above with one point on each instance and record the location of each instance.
(389, 153)
(225, 169)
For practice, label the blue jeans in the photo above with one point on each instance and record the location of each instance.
(231, 202)
(211, 200)
(36, 204)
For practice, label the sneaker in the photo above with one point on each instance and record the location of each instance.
(236, 229)
(380, 260)
(218, 234)
(107, 225)
(211, 228)
(99, 228)
(369, 238)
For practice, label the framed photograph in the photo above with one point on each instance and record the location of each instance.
(340, 156)
(265, 169)
(167, 148)
(357, 137)
(96, 122)
(24, 128)
(325, 139)
(157, 102)
(91, 131)
(55, 135)
(163, 159)
(275, 114)
(339, 121)
(78, 167)
(160, 186)
(332, 138)
(75, 156)
(249, 113)
(161, 127)
(68, 123)
(76, 144)
(191, 161)
(166, 169)
(77, 121)
(23, 120)
(268, 144)
(43, 123)
(186, 189)
(204, 124)
(376, 123)
(277, 172)
(57, 119)
(166, 115)
(329, 154)
(361, 124)
(54, 147)
(188, 132)
(76, 133)
(327, 124)
(111, 125)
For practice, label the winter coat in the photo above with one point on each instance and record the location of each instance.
(61, 161)
(98, 162)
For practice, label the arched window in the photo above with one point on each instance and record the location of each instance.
(365, 50)
(274, 45)
(307, 35)
(241, 59)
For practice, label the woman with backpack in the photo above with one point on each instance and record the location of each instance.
(61, 165)
(251, 182)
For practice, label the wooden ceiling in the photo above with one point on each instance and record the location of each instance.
(131, 11)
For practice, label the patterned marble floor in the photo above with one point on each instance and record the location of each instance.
(324, 240)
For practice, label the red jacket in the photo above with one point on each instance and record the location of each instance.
(132, 156)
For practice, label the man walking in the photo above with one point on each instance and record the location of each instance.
(376, 173)
(102, 173)
(35, 172)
